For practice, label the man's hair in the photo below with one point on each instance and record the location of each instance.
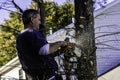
(28, 14)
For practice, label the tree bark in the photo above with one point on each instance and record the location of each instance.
(41, 8)
(85, 39)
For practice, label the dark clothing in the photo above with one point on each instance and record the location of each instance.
(28, 45)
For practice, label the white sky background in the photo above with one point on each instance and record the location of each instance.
(24, 4)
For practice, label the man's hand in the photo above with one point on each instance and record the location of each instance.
(66, 44)
(70, 45)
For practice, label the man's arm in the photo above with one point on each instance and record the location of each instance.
(51, 47)
(55, 46)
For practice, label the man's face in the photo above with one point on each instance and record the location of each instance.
(36, 21)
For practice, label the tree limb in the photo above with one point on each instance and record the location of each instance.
(16, 6)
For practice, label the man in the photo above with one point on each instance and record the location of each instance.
(34, 51)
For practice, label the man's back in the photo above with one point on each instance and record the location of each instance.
(29, 43)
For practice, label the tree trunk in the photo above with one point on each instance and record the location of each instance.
(41, 8)
(85, 39)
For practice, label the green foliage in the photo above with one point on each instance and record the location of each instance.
(7, 47)
(13, 25)
(58, 16)
(33, 5)
(8, 38)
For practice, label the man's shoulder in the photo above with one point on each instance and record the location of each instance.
(26, 33)
(27, 30)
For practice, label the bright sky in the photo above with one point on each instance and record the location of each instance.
(5, 14)
(23, 4)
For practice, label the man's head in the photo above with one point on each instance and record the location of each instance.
(31, 18)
